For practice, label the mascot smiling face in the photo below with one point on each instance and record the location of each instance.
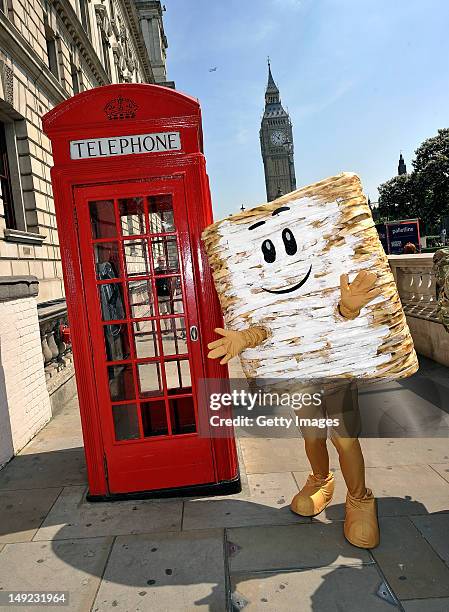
(279, 266)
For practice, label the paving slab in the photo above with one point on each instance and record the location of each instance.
(435, 529)
(73, 517)
(291, 547)
(429, 605)
(411, 566)
(62, 432)
(182, 571)
(236, 512)
(22, 512)
(44, 469)
(408, 490)
(331, 589)
(276, 489)
(384, 452)
(75, 566)
(264, 500)
(442, 469)
(265, 455)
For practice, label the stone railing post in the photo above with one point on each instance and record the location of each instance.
(56, 354)
(416, 285)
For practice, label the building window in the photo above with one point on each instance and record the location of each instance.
(5, 182)
(84, 13)
(75, 77)
(107, 61)
(52, 53)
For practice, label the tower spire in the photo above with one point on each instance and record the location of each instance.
(271, 85)
(402, 168)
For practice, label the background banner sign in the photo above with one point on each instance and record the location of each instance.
(125, 145)
(394, 235)
(382, 231)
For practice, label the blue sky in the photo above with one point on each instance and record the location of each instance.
(362, 80)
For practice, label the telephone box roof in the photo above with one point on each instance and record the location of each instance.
(109, 104)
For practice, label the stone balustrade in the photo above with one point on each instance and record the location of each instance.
(416, 284)
(56, 354)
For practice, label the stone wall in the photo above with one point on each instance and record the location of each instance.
(24, 400)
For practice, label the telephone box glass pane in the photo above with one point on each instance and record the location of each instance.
(121, 383)
(136, 258)
(164, 292)
(132, 216)
(141, 299)
(154, 418)
(173, 336)
(126, 423)
(182, 415)
(150, 382)
(169, 295)
(178, 376)
(102, 219)
(160, 210)
(176, 298)
(111, 299)
(116, 342)
(146, 339)
(165, 255)
(107, 263)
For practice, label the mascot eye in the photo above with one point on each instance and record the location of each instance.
(289, 242)
(268, 250)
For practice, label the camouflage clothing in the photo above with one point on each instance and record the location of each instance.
(441, 270)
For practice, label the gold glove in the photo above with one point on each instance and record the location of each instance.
(356, 295)
(234, 342)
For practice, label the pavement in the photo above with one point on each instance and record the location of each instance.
(245, 551)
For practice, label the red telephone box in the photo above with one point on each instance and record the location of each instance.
(132, 198)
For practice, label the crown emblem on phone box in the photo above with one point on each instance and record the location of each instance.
(120, 108)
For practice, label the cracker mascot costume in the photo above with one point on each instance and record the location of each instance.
(307, 293)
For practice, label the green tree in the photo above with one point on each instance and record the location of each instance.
(395, 198)
(423, 193)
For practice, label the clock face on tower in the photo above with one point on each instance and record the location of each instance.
(278, 138)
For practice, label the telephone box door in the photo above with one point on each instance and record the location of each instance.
(144, 330)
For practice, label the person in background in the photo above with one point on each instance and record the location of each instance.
(409, 249)
(163, 290)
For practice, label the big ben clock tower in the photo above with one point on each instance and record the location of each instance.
(276, 143)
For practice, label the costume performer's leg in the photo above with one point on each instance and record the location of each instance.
(316, 451)
(361, 527)
(352, 464)
(317, 493)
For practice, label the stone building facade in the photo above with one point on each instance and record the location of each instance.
(49, 51)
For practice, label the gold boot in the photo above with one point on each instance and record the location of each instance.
(315, 495)
(361, 527)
